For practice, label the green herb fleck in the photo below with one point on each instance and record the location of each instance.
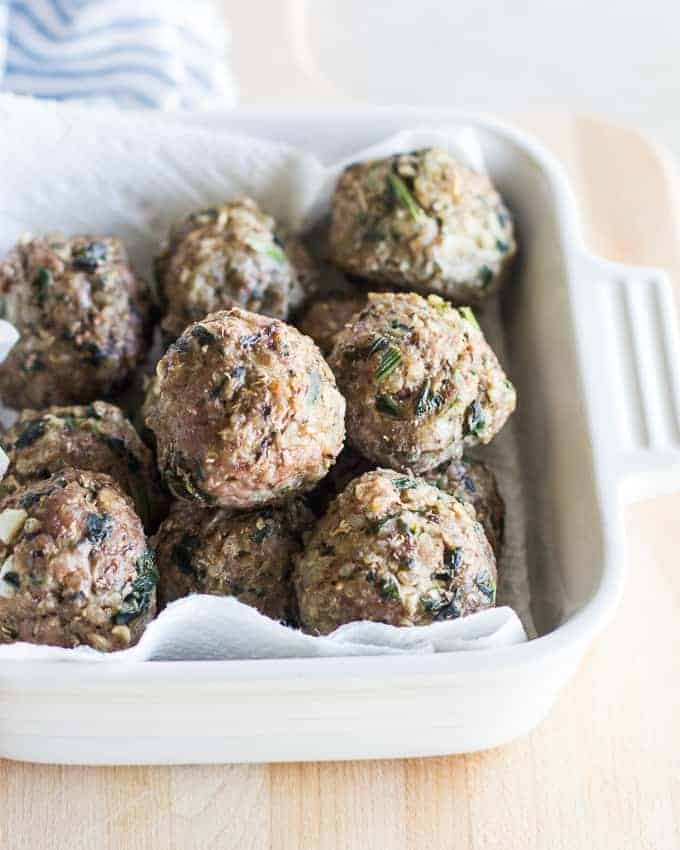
(250, 339)
(453, 558)
(485, 275)
(403, 195)
(28, 500)
(98, 527)
(428, 401)
(89, 257)
(486, 586)
(502, 246)
(380, 523)
(467, 313)
(260, 534)
(475, 421)
(139, 598)
(388, 363)
(203, 335)
(432, 602)
(404, 483)
(389, 588)
(269, 249)
(31, 432)
(388, 406)
(377, 345)
(42, 282)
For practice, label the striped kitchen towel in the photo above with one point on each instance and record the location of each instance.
(167, 54)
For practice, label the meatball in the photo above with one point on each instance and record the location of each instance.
(394, 549)
(245, 411)
(230, 256)
(75, 565)
(97, 438)
(469, 481)
(472, 482)
(420, 380)
(83, 316)
(246, 555)
(328, 315)
(422, 221)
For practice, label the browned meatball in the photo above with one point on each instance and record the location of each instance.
(227, 256)
(469, 481)
(97, 438)
(420, 380)
(472, 482)
(83, 316)
(247, 554)
(396, 550)
(245, 411)
(422, 221)
(75, 565)
(329, 314)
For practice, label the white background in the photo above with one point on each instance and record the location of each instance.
(616, 58)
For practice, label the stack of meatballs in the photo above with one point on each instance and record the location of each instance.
(301, 450)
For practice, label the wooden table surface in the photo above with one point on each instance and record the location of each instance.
(603, 771)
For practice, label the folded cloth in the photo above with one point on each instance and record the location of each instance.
(168, 54)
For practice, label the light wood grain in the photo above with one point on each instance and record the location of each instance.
(603, 771)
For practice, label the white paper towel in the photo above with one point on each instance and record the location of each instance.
(212, 628)
(133, 176)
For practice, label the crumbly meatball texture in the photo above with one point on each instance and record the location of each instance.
(395, 550)
(245, 411)
(97, 438)
(230, 256)
(328, 315)
(75, 565)
(472, 482)
(420, 380)
(247, 555)
(422, 221)
(83, 316)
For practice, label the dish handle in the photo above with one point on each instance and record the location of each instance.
(629, 339)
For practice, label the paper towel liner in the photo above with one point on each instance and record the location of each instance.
(297, 188)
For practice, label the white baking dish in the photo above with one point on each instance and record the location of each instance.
(592, 349)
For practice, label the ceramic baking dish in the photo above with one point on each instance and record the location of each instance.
(593, 349)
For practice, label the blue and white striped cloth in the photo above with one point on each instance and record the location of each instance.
(167, 54)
